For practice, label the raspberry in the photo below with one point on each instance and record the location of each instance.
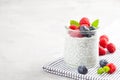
(104, 36)
(102, 51)
(103, 42)
(112, 68)
(73, 27)
(111, 48)
(85, 25)
(84, 20)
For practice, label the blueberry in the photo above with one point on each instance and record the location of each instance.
(84, 31)
(82, 70)
(103, 62)
(88, 35)
(84, 28)
(91, 28)
(92, 33)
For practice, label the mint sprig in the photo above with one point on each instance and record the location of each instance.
(95, 23)
(73, 22)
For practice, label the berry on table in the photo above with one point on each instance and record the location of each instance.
(82, 70)
(111, 48)
(103, 42)
(100, 71)
(102, 51)
(112, 68)
(103, 62)
(106, 69)
(104, 36)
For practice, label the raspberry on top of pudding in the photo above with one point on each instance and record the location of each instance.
(83, 28)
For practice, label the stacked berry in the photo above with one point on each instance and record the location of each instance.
(83, 28)
(106, 67)
(105, 46)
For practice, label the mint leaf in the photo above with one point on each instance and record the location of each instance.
(73, 22)
(95, 23)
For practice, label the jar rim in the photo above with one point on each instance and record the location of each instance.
(77, 30)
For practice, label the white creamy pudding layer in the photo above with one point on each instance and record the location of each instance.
(81, 51)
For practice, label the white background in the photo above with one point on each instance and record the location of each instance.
(32, 32)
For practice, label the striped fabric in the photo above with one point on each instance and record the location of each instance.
(59, 67)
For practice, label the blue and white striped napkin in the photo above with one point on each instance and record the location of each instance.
(60, 68)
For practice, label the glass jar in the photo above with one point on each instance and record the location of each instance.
(81, 49)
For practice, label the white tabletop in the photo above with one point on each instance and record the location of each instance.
(32, 32)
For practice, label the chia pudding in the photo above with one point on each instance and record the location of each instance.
(81, 49)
